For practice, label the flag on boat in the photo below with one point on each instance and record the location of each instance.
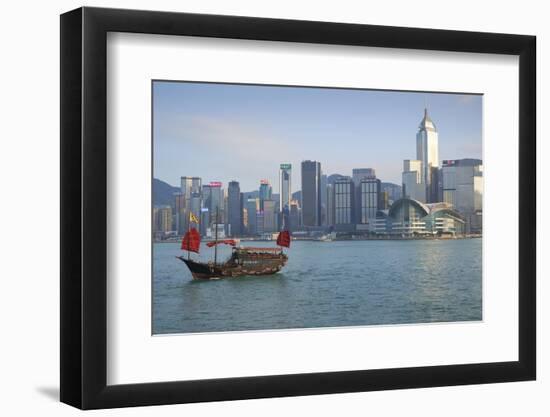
(193, 218)
(231, 242)
(284, 239)
(191, 241)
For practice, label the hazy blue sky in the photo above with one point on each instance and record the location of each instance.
(226, 132)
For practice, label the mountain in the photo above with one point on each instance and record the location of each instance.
(163, 193)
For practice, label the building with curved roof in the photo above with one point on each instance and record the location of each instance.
(409, 217)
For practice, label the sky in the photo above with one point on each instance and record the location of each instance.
(225, 132)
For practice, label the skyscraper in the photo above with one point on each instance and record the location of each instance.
(181, 223)
(270, 219)
(259, 222)
(413, 185)
(234, 209)
(190, 201)
(395, 192)
(285, 186)
(383, 200)
(252, 208)
(324, 204)
(344, 199)
(195, 208)
(427, 151)
(294, 216)
(463, 188)
(162, 219)
(212, 199)
(330, 205)
(265, 192)
(370, 199)
(206, 196)
(190, 185)
(311, 193)
(358, 175)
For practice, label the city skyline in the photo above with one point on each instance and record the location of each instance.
(196, 123)
(373, 168)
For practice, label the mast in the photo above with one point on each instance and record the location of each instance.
(283, 228)
(216, 237)
(188, 237)
(284, 225)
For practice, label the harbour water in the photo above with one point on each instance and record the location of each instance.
(325, 284)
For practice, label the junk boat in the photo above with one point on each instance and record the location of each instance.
(243, 260)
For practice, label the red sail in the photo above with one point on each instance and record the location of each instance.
(284, 239)
(225, 242)
(191, 241)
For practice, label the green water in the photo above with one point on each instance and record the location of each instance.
(345, 283)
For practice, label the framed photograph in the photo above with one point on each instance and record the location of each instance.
(258, 208)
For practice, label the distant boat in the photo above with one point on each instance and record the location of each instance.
(328, 238)
(243, 260)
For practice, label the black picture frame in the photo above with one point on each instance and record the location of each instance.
(84, 207)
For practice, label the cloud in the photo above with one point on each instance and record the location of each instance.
(226, 136)
(225, 149)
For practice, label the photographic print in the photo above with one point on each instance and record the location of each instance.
(287, 207)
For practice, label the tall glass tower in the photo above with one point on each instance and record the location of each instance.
(311, 193)
(285, 195)
(427, 151)
(234, 209)
(189, 200)
(265, 192)
(285, 186)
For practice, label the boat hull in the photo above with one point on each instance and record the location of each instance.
(202, 271)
